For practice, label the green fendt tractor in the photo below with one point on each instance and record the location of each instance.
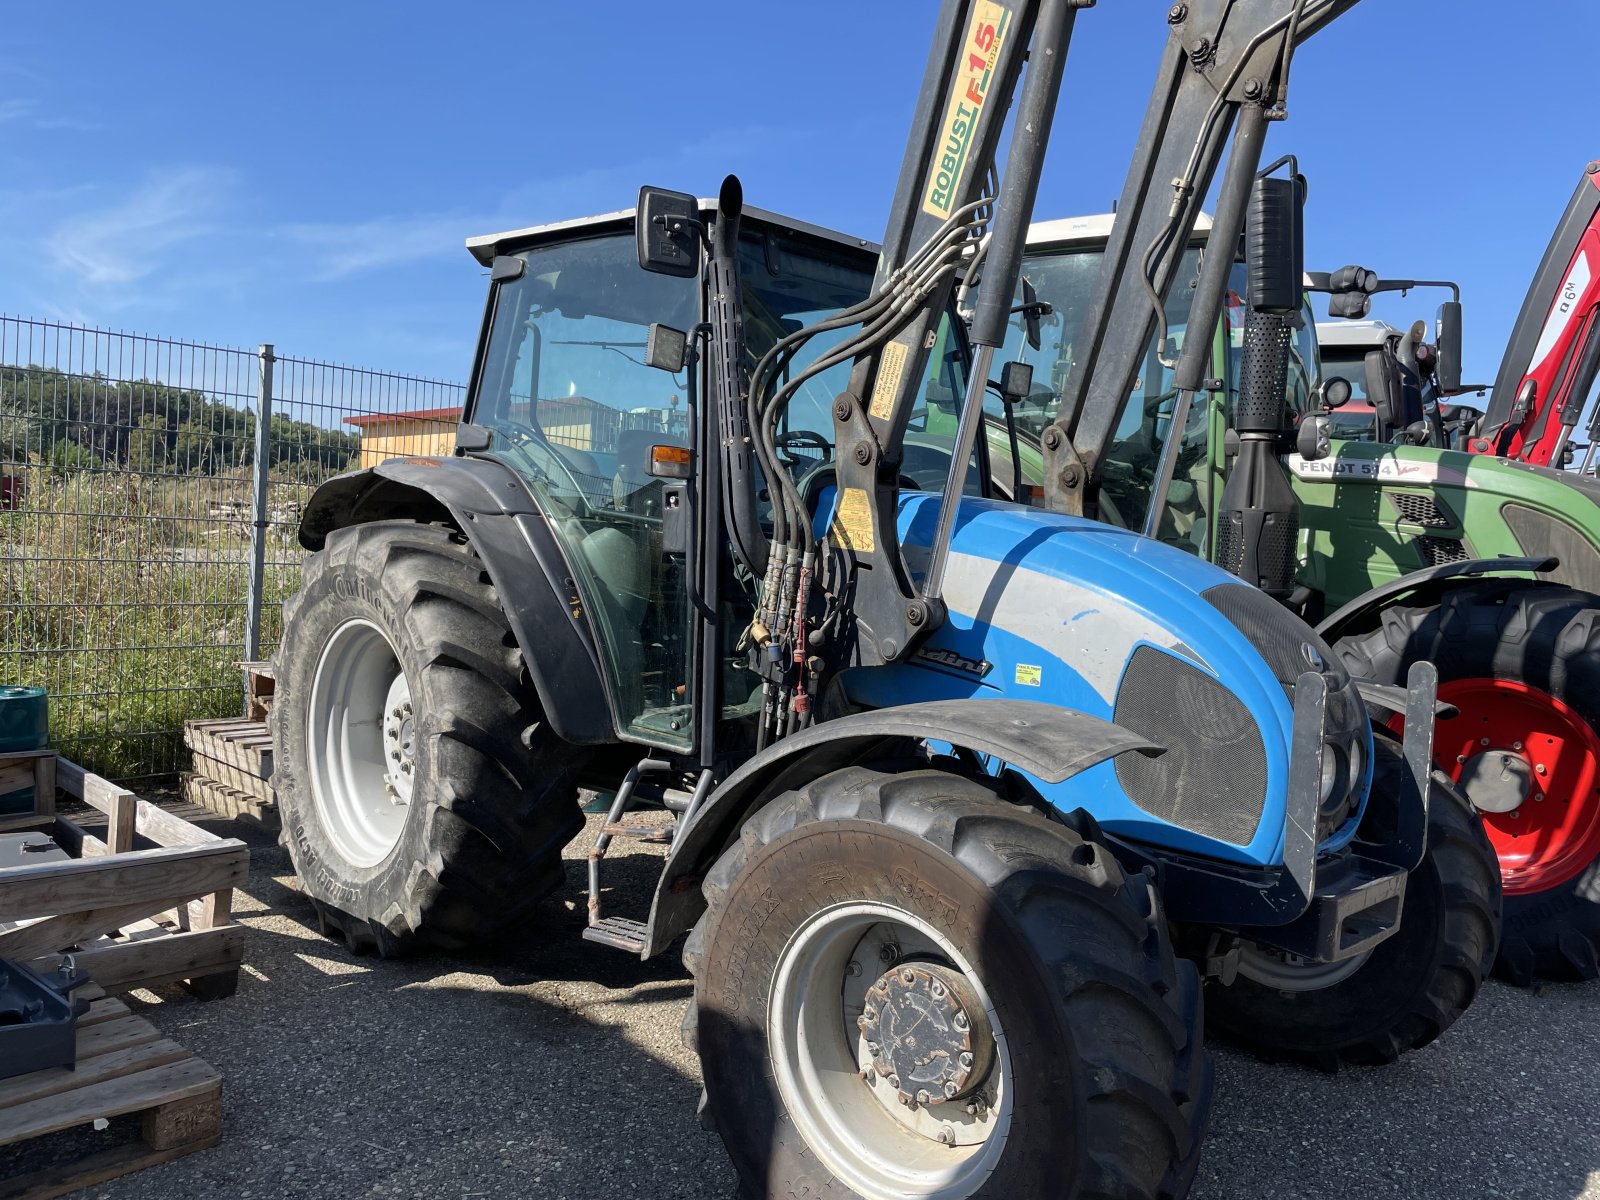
(1488, 567)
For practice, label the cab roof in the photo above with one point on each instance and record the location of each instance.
(1354, 333)
(1094, 228)
(485, 247)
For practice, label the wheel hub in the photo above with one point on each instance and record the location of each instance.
(927, 1033)
(399, 741)
(1497, 781)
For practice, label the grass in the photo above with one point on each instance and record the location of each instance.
(125, 596)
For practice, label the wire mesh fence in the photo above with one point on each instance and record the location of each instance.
(148, 518)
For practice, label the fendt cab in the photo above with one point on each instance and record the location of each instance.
(1404, 550)
(969, 794)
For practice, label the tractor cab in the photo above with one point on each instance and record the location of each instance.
(571, 394)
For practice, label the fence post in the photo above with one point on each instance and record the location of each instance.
(258, 510)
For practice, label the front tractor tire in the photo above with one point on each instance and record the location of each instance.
(1408, 989)
(423, 799)
(905, 986)
(1522, 664)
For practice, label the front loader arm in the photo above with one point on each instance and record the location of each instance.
(1226, 65)
(849, 598)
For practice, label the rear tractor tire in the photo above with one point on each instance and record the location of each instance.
(1522, 664)
(905, 986)
(1404, 992)
(424, 800)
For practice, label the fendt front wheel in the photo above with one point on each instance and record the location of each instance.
(1522, 664)
(1405, 991)
(423, 799)
(905, 986)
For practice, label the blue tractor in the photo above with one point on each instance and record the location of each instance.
(969, 796)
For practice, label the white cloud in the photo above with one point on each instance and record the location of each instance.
(128, 240)
(15, 109)
(342, 249)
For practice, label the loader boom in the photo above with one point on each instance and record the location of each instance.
(1226, 65)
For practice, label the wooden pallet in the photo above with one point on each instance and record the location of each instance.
(228, 802)
(259, 684)
(235, 753)
(124, 1066)
(147, 904)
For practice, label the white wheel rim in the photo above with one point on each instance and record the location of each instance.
(1287, 973)
(856, 1127)
(361, 737)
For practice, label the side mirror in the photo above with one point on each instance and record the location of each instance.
(1016, 382)
(668, 231)
(505, 267)
(1380, 390)
(1031, 311)
(665, 348)
(1314, 441)
(1447, 336)
(1275, 245)
(1336, 392)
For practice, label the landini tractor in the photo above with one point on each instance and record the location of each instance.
(969, 794)
(1407, 550)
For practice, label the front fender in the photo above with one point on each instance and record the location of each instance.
(1037, 739)
(1430, 582)
(495, 511)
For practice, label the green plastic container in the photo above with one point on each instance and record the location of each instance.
(24, 725)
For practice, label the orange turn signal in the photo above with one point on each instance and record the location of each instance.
(670, 462)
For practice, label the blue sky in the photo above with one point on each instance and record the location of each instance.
(306, 173)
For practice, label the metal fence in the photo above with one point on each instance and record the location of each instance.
(149, 494)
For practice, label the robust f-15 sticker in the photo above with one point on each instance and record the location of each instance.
(986, 33)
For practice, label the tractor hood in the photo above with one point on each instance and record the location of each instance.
(1096, 619)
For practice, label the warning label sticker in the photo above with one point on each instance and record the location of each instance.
(891, 369)
(1029, 676)
(852, 522)
(986, 33)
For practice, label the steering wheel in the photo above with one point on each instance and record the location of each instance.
(797, 439)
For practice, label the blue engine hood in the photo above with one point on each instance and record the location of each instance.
(1050, 608)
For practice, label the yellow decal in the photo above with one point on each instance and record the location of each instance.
(852, 523)
(1029, 676)
(890, 369)
(980, 52)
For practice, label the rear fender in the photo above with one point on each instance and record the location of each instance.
(1037, 739)
(494, 509)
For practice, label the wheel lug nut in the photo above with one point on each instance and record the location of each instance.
(1483, 741)
(922, 1096)
(947, 1136)
(960, 1022)
(908, 976)
(1540, 768)
(965, 1059)
(950, 1089)
(1516, 745)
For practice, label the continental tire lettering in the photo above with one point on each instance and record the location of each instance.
(932, 901)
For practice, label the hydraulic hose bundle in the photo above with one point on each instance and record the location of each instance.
(784, 634)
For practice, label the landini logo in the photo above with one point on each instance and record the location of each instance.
(985, 35)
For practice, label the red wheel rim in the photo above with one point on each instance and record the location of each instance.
(1555, 833)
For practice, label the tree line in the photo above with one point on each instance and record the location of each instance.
(75, 422)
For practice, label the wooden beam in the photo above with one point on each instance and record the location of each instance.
(119, 967)
(161, 876)
(120, 824)
(60, 932)
(188, 1080)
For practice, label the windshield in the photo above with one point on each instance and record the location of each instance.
(1067, 281)
(1355, 421)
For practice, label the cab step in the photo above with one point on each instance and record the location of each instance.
(618, 932)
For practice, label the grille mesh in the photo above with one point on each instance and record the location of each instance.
(1277, 634)
(1213, 777)
(1436, 551)
(1421, 510)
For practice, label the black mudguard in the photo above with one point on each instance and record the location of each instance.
(493, 507)
(1430, 581)
(1037, 739)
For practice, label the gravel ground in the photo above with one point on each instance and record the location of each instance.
(552, 1068)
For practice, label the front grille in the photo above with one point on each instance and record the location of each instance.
(1277, 634)
(1290, 647)
(1421, 510)
(1213, 777)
